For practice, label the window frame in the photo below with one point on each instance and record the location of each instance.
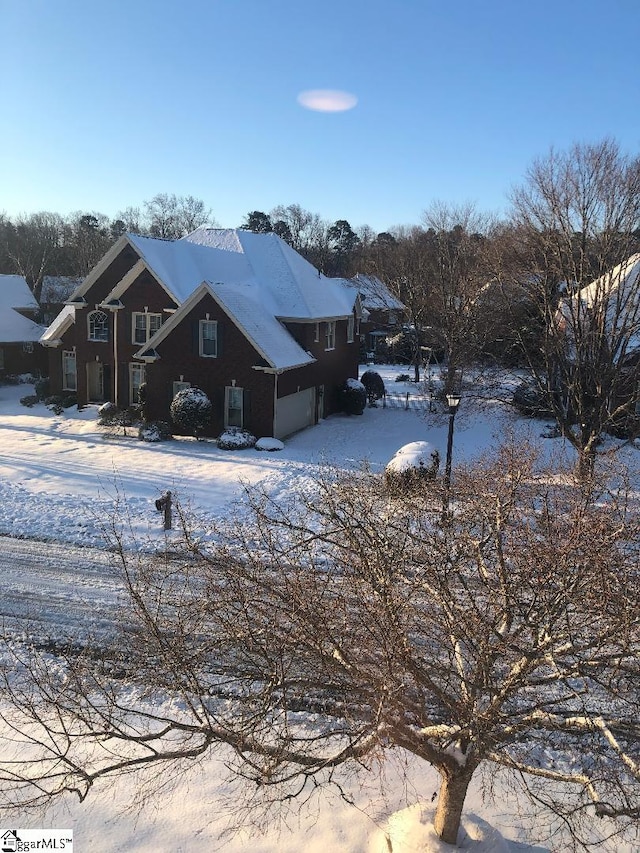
(68, 356)
(351, 327)
(136, 368)
(148, 333)
(91, 326)
(203, 324)
(330, 335)
(229, 391)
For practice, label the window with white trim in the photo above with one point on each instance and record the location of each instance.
(27, 346)
(98, 323)
(209, 338)
(69, 371)
(136, 379)
(144, 326)
(331, 335)
(350, 328)
(317, 334)
(233, 413)
(180, 386)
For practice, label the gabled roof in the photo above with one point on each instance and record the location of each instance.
(617, 294)
(16, 293)
(61, 323)
(375, 294)
(244, 307)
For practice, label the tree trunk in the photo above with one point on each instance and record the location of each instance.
(451, 796)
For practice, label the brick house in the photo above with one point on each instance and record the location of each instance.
(20, 351)
(383, 314)
(240, 315)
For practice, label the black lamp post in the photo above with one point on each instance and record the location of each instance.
(453, 401)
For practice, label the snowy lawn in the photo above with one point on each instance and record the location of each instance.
(59, 475)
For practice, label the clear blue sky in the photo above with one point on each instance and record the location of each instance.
(107, 102)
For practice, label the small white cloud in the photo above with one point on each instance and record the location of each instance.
(327, 100)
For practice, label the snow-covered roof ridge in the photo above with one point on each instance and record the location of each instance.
(58, 327)
(625, 278)
(298, 290)
(16, 293)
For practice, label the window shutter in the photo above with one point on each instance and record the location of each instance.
(220, 330)
(195, 335)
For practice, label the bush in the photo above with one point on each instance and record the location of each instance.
(41, 388)
(30, 400)
(191, 410)
(59, 402)
(154, 431)
(235, 438)
(374, 386)
(411, 466)
(353, 397)
(403, 377)
(115, 419)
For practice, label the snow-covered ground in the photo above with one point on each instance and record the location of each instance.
(60, 476)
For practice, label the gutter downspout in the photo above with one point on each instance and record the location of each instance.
(115, 358)
(275, 405)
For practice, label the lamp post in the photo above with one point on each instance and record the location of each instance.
(453, 401)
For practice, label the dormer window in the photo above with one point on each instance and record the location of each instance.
(98, 323)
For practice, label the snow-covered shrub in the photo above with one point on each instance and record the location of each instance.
(374, 386)
(235, 438)
(269, 444)
(114, 419)
(154, 431)
(191, 410)
(29, 401)
(411, 465)
(353, 397)
(59, 402)
(41, 388)
(403, 377)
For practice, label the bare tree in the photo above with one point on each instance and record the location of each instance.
(508, 636)
(171, 217)
(576, 220)
(457, 274)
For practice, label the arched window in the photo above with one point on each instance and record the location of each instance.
(98, 326)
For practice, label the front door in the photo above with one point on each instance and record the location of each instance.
(95, 382)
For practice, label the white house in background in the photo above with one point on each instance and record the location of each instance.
(20, 351)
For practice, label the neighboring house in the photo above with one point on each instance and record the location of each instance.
(56, 292)
(240, 315)
(20, 351)
(601, 326)
(383, 313)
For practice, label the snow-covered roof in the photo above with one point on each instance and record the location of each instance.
(15, 328)
(244, 306)
(61, 323)
(16, 293)
(375, 294)
(297, 290)
(617, 293)
(58, 288)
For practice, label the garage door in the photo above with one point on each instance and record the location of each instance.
(295, 412)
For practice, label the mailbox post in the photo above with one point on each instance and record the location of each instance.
(163, 504)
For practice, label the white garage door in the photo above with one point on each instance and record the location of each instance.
(295, 412)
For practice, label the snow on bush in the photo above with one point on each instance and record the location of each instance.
(374, 386)
(235, 438)
(191, 410)
(413, 461)
(269, 444)
(353, 397)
